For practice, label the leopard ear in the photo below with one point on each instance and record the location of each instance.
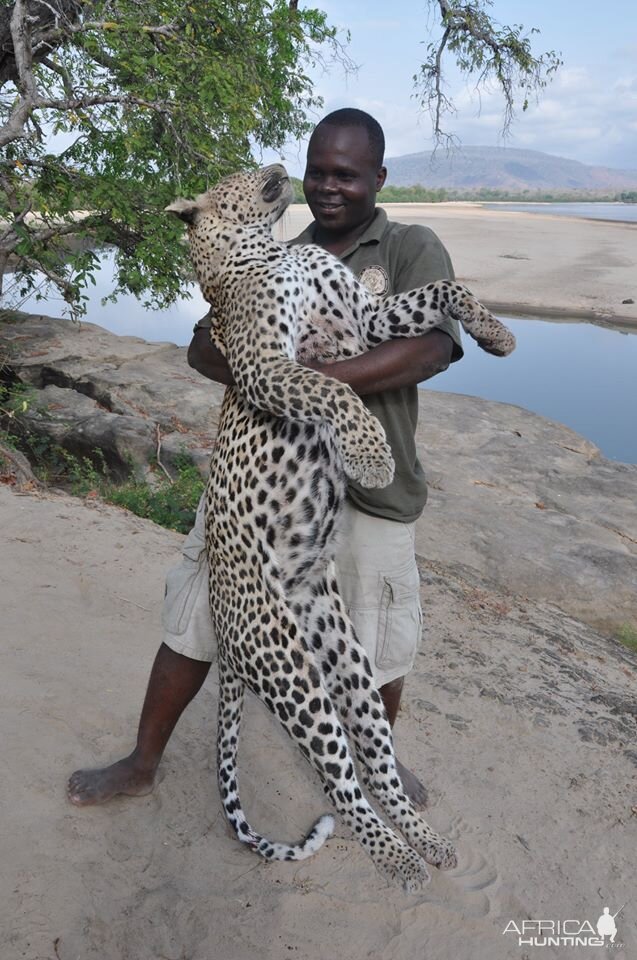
(186, 210)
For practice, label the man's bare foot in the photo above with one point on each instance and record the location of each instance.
(88, 787)
(414, 789)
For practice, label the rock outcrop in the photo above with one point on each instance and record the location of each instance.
(122, 396)
(516, 501)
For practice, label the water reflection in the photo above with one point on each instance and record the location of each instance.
(126, 317)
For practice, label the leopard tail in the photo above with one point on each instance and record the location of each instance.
(231, 690)
(271, 850)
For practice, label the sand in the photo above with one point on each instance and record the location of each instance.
(499, 718)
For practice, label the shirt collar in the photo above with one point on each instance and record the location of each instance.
(372, 234)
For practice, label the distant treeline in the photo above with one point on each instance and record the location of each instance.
(419, 194)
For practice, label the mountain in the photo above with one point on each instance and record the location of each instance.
(503, 168)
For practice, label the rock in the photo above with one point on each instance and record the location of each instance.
(516, 501)
(98, 390)
(15, 469)
(628, 300)
(86, 429)
(529, 505)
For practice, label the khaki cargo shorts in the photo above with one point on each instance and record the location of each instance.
(378, 580)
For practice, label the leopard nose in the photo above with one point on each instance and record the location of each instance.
(273, 186)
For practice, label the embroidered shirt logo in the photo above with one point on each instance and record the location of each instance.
(376, 280)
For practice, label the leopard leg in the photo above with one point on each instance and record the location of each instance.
(269, 380)
(281, 671)
(425, 308)
(348, 678)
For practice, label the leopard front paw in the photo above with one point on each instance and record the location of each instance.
(499, 345)
(491, 335)
(372, 468)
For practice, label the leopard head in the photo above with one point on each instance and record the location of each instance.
(215, 219)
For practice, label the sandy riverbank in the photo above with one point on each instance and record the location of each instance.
(529, 264)
(513, 715)
(519, 715)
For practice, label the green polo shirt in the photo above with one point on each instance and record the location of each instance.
(392, 258)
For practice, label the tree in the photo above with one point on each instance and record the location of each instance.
(487, 51)
(110, 108)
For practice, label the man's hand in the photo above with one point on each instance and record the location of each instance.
(392, 365)
(204, 357)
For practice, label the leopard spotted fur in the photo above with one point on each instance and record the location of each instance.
(288, 439)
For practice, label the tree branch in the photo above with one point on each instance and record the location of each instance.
(36, 266)
(440, 98)
(25, 81)
(19, 212)
(40, 17)
(62, 72)
(168, 30)
(482, 47)
(102, 99)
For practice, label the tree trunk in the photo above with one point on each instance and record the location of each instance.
(44, 16)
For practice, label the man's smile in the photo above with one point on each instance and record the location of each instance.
(330, 204)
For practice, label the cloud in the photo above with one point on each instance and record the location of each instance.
(588, 118)
(588, 112)
(578, 116)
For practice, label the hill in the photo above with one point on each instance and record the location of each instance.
(504, 168)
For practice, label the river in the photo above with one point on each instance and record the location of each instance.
(623, 212)
(576, 373)
(579, 374)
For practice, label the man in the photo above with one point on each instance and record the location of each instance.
(376, 566)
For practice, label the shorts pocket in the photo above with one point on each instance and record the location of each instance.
(399, 620)
(183, 583)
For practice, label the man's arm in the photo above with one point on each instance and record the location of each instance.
(207, 360)
(391, 365)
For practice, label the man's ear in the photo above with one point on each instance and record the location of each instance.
(186, 210)
(381, 176)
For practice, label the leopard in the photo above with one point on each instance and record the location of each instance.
(288, 441)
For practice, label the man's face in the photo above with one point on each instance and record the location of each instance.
(341, 178)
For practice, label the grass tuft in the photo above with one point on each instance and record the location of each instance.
(169, 503)
(627, 635)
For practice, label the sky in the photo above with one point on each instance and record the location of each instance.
(587, 113)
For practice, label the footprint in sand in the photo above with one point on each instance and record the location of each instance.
(470, 888)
